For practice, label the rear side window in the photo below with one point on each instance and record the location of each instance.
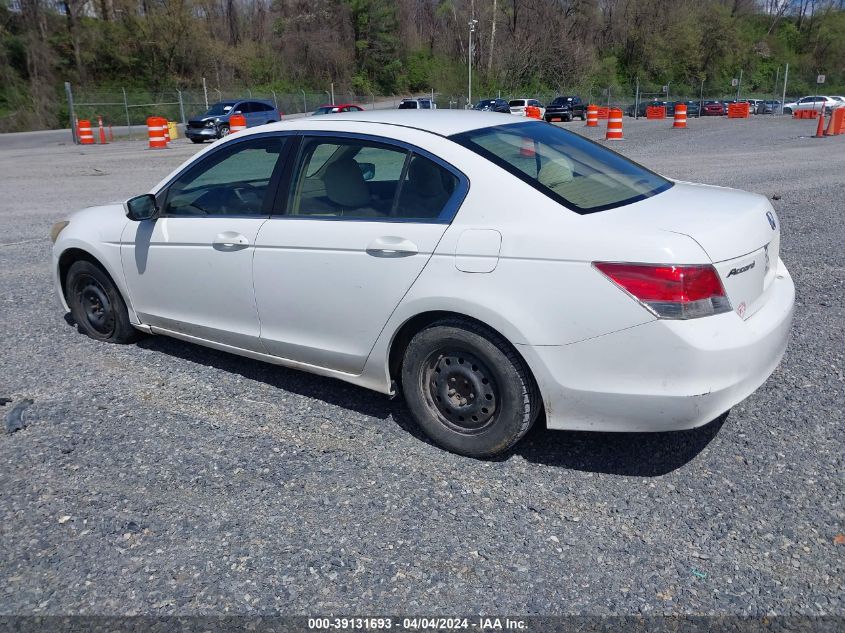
(358, 179)
(568, 168)
(408, 105)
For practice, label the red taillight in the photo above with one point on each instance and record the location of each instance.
(671, 292)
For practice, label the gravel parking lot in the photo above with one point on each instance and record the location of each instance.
(164, 478)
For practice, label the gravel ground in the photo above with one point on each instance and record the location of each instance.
(165, 478)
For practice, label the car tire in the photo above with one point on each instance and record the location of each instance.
(787, 110)
(468, 389)
(567, 118)
(223, 130)
(583, 116)
(96, 304)
(197, 140)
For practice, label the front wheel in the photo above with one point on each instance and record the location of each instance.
(468, 389)
(96, 305)
(223, 131)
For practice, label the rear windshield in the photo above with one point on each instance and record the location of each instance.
(516, 103)
(570, 169)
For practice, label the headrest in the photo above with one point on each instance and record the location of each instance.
(555, 173)
(425, 178)
(345, 185)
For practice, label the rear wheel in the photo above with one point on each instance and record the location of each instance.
(197, 140)
(583, 116)
(468, 389)
(96, 305)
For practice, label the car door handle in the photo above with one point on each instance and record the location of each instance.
(230, 241)
(390, 246)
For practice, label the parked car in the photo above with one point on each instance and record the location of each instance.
(492, 105)
(768, 106)
(713, 108)
(624, 301)
(753, 104)
(340, 107)
(517, 106)
(566, 109)
(693, 107)
(215, 122)
(417, 104)
(816, 102)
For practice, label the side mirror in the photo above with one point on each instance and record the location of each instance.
(368, 170)
(141, 208)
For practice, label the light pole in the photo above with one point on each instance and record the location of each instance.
(472, 24)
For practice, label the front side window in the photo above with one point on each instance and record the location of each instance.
(568, 168)
(231, 181)
(366, 180)
(219, 109)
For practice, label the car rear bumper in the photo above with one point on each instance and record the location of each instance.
(663, 375)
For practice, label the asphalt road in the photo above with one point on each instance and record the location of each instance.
(164, 478)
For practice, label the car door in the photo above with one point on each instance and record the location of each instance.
(189, 271)
(360, 221)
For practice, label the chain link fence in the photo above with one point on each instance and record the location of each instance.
(130, 108)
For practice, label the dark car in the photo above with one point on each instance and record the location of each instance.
(215, 123)
(566, 109)
(492, 105)
(641, 108)
(339, 107)
(693, 107)
(713, 108)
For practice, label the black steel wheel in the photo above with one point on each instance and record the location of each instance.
(96, 305)
(468, 388)
(462, 391)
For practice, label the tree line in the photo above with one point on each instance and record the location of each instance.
(406, 46)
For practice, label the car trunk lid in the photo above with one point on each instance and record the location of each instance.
(738, 230)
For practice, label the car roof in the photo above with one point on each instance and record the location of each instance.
(441, 122)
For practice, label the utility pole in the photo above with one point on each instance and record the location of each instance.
(71, 115)
(332, 93)
(783, 98)
(739, 85)
(472, 24)
(205, 92)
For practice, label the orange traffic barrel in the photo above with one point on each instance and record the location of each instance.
(592, 116)
(166, 130)
(155, 130)
(614, 125)
(86, 135)
(532, 112)
(237, 123)
(680, 117)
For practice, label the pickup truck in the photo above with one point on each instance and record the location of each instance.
(566, 109)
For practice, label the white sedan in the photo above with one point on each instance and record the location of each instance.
(491, 270)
